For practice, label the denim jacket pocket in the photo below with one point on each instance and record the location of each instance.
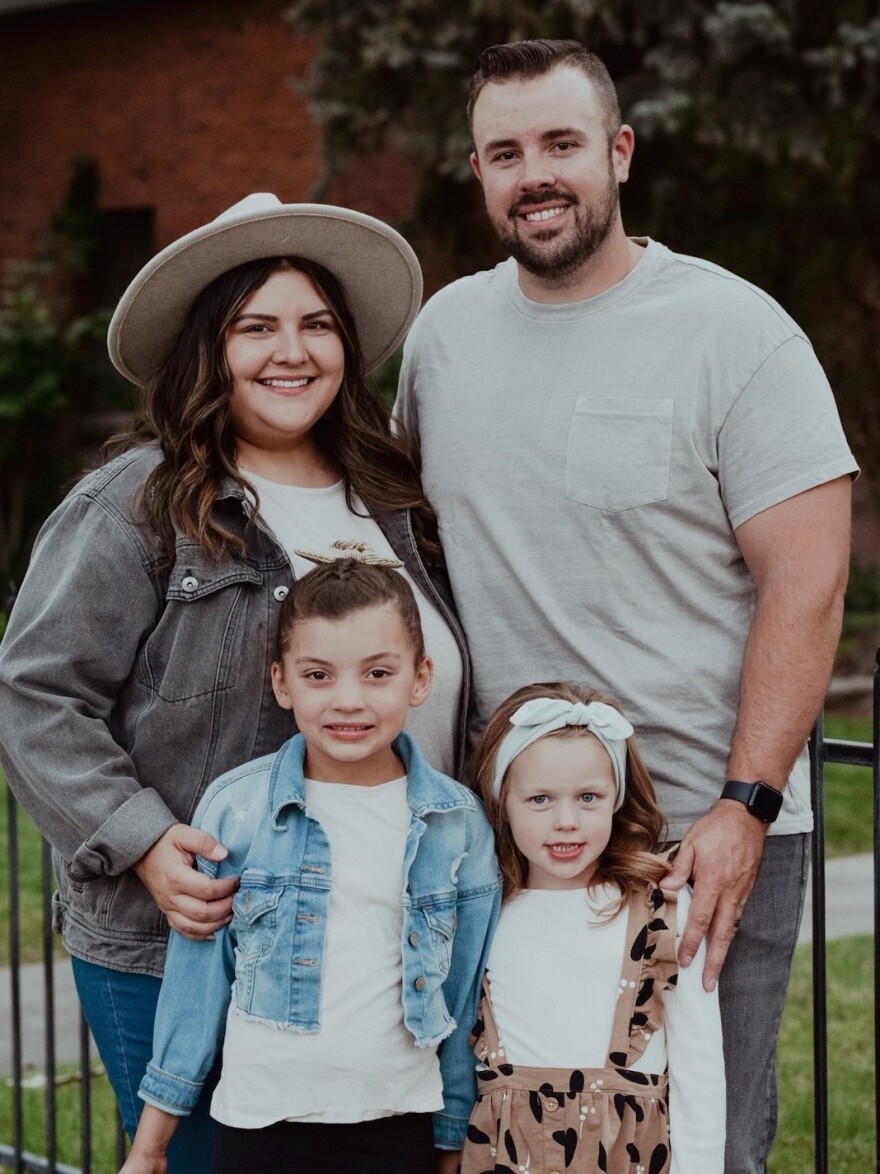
(253, 925)
(195, 648)
(441, 925)
(619, 452)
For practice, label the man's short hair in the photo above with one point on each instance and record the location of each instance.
(530, 59)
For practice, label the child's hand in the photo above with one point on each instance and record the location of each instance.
(150, 1146)
(144, 1164)
(447, 1161)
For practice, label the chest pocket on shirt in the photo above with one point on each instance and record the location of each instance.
(619, 452)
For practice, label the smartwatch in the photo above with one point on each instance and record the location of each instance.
(762, 801)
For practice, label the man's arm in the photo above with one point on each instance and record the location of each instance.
(798, 555)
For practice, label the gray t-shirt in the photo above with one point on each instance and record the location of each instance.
(589, 463)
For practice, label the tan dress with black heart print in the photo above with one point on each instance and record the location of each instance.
(578, 1121)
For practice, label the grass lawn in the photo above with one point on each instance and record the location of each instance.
(848, 826)
(850, 1063)
(30, 907)
(67, 1123)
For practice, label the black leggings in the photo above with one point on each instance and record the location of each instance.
(388, 1145)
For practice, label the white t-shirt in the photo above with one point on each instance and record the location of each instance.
(362, 1063)
(312, 519)
(555, 973)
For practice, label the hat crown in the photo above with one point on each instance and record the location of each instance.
(252, 205)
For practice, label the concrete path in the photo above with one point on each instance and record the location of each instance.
(849, 899)
(67, 1017)
(849, 909)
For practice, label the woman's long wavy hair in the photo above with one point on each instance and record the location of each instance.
(637, 829)
(186, 406)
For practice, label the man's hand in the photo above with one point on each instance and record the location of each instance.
(195, 905)
(447, 1161)
(722, 853)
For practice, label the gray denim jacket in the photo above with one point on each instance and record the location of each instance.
(125, 689)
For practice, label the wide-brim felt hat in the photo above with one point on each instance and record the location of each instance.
(377, 269)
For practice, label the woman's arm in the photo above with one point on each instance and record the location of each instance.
(88, 601)
(86, 605)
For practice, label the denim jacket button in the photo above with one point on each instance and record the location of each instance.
(420, 983)
(413, 939)
(189, 584)
(281, 593)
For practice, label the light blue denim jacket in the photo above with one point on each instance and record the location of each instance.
(450, 895)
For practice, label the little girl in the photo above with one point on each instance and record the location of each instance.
(368, 887)
(596, 1054)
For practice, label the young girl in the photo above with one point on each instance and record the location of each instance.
(368, 885)
(596, 1054)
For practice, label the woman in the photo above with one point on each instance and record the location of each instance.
(135, 667)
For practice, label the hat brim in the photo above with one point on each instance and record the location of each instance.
(377, 269)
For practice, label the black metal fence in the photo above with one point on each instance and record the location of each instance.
(13, 1155)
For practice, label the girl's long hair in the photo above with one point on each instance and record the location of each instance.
(637, 829)
(185, 405)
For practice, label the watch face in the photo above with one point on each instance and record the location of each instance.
(765, 802)
(761, 801)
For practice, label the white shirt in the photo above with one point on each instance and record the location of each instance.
(362, 1063)
(312, 519)
(555, 973)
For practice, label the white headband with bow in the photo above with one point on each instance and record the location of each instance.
(544, 715)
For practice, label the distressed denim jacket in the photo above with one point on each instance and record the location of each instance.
(126, 687)
(450, 896)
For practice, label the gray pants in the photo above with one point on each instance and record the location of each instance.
(752, 991)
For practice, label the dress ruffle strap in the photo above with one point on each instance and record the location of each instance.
(650, 968)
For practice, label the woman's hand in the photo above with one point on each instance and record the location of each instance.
(195, 905)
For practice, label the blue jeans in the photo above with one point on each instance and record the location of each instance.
(751, 994)
(120, 1008)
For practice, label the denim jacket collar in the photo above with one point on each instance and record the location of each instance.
(427, 789)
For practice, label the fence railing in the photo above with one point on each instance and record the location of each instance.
(823, 751)
(13, 1156)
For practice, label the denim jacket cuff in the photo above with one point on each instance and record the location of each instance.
(124, 837)
(172, 1094)
(449, 1132)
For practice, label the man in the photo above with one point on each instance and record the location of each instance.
(642, 483)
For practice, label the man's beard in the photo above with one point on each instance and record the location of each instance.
(592, 225)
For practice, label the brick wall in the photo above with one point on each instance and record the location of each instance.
(186, 106)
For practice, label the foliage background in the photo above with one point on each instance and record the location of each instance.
(757, 141)
(54, 374)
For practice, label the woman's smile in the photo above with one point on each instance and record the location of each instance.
(287, 362)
